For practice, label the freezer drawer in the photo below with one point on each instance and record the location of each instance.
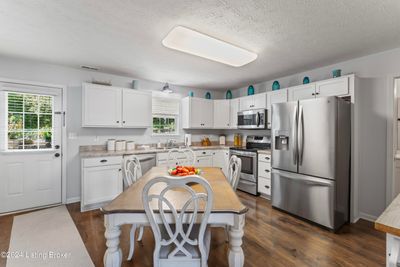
(305, 196)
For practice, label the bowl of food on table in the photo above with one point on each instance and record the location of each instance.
(184, 171)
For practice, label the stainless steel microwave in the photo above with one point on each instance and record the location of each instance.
(252, 119)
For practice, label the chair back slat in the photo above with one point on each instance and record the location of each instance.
(193, 212)
(182, 157)
(235, 167)
(131, 169)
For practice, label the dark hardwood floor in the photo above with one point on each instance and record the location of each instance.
(272, 238)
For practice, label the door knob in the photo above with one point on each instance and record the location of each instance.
(56, 146)
(57, 155)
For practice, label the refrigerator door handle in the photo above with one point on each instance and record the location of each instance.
(300, 135)
(294, 137)
(310, 181)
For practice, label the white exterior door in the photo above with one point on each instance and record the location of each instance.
(136, 111)
(30, 147)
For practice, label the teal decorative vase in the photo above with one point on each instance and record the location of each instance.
(250, 90)
(208, 95)
(336, 73)
(276, 86)
(191, 94)
(228, 94)
(306, 80)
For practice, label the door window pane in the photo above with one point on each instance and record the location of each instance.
(45, 122)
(31, 140)
(30, 103)
(15, 122)
(15, 140)
(30, 121)
(15, 102)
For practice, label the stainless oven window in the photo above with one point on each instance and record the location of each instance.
(247, 164)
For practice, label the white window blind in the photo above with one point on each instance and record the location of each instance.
(165, 106)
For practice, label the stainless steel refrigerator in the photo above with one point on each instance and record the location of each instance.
(311, 146)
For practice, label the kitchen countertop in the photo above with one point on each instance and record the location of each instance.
(105, 153)
(389, 221)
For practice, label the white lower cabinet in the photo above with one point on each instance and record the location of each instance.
(264, 175)
(101, 181)
(204, 161)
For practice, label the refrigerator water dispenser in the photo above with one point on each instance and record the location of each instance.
(281, 141)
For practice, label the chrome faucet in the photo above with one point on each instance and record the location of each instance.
(170, 143)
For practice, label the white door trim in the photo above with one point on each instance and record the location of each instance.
(63, 130)
(391, 135)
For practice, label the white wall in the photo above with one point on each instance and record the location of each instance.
(375, 114)
(72, 78)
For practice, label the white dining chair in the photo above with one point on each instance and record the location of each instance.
(181, 157)
(186, 242)
(132, 171)
(235, 167)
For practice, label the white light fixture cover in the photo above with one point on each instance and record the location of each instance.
(198, 44)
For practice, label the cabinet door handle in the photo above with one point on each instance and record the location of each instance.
(266, 186)
(267, 170)
(204, 152)
(312, 94)
(123, 121)
(317, 93)
(119, 170)
(267, 158)
(117, 121)
(103, 160)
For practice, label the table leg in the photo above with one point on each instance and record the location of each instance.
(113, 255)
(235, 255)
(392, 251)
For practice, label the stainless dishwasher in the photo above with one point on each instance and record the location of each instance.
(147, 161)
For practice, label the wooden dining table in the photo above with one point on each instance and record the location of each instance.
(127, 208)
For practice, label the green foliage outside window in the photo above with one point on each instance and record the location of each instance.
(30, 121)
(164, 125)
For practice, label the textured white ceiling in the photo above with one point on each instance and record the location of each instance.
(124, 37)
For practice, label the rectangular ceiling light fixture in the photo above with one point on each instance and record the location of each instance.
(198, 44)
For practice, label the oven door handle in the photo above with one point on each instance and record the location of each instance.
(246, 182)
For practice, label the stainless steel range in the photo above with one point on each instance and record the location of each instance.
(249, 157)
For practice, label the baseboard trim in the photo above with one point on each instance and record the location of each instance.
(73, 200)
(367, 217)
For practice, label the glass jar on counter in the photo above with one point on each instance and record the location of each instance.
(237, 140)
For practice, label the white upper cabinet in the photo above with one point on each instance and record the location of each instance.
(333, 87)
(273, 97)
(197, 113)
(101, 106)
(115, 107)
(257, 101)
(136, 109)
(222, 114)
(260, 101)
(234, 109)
(300, 92)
